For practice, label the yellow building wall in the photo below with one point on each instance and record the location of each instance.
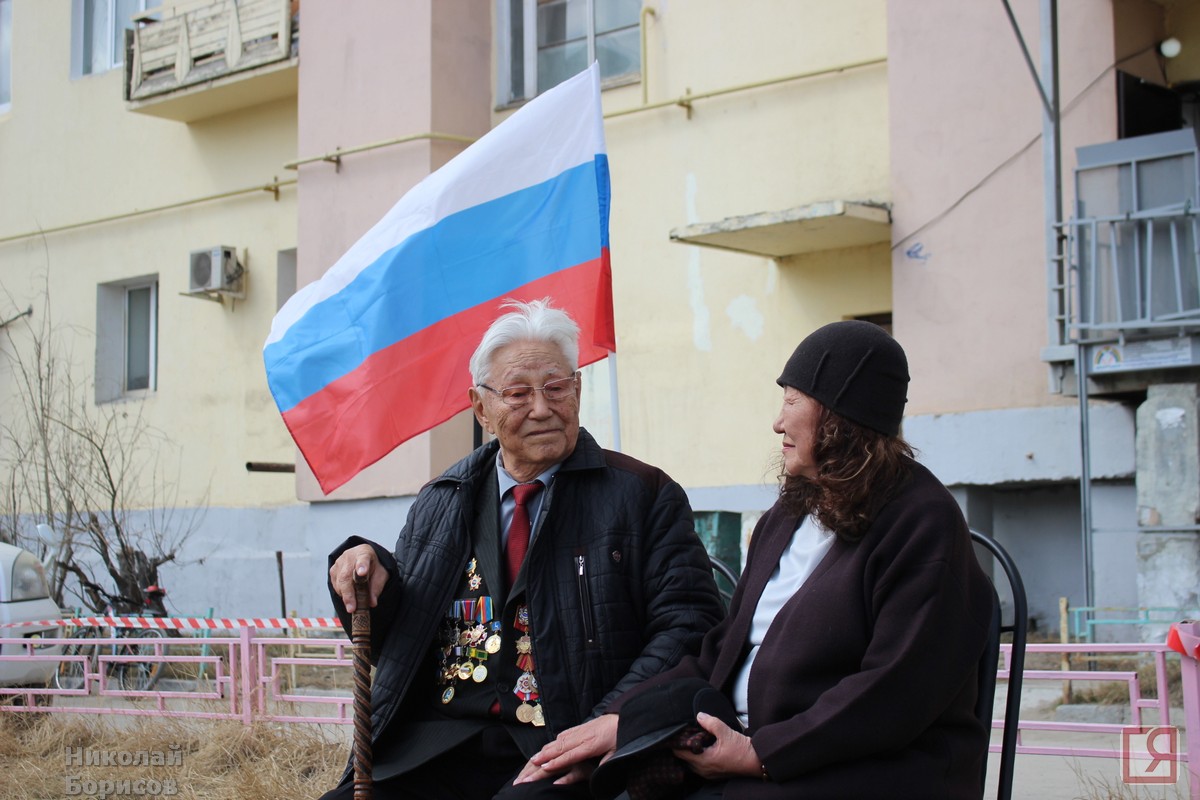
(702, 334)
(71, 153)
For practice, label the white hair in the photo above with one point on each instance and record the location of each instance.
(536, 321)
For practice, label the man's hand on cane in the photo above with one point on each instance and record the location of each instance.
(359, 560)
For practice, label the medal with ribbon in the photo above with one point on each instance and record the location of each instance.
(526, 687)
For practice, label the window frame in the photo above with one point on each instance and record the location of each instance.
(506, 95)
(6, 59)
(81, 11)
(151, 345)
(113, 336)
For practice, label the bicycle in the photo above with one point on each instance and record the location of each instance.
(129, 667)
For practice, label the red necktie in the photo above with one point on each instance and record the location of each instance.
(518, 529)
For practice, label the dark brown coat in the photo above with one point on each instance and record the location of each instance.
(865, 684)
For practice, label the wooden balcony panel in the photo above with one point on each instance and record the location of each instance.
(197, 44)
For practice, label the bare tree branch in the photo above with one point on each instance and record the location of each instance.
(96, 474)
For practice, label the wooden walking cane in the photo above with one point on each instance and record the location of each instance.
(360, 639)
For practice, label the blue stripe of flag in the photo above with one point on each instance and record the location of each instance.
(465, 259)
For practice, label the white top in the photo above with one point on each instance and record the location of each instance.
(810, 542)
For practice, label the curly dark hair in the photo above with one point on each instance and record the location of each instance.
(859, 470)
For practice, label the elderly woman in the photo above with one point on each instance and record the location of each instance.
(851, 648)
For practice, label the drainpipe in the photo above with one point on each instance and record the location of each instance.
(1056, 270)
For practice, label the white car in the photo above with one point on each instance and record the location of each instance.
(25, 597)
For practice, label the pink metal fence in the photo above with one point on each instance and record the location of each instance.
(1109, 736)
(249, 676)
(240, 677)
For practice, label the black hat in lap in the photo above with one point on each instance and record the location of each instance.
(652, 718)
(854, 369)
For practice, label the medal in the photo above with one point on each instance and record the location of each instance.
(526, 687)
(467, 633)
(475, 581)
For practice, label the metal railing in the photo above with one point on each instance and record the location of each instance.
(1133, 272)
(1111, 740)
(247, 676)
(1086, 619)
(252, 676)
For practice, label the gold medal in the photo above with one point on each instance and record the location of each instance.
(448, 695)
(464, 670)
(492, 645)
(479, 674)
(539, 719)
(525, 713)
(524, 644)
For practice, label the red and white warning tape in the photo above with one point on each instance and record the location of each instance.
(181, 623)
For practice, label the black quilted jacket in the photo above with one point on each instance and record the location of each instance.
(647, 600)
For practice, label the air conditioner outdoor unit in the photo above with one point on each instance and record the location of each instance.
(212, 269)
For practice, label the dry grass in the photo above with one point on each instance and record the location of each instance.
(220, 760)
(1100, 788)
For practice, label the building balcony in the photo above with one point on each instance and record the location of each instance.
(832, 225)
(192, 60)
(1132, 294)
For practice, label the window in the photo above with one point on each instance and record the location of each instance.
(544, 42)
(285, 276)
(98, 31)
(141, 309)
(126, 338)
(5, 53)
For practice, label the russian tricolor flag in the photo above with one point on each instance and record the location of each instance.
(375, 352)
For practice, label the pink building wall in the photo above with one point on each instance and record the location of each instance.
(370, 71)
(969, 267)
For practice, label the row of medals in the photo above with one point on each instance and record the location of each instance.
(470, 634)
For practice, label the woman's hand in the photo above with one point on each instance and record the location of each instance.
(730, 755)
(567, 754)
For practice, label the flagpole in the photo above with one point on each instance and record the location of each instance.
(614, 402)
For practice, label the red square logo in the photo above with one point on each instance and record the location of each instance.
(1150, 754)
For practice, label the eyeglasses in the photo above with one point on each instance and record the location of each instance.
(553, 391)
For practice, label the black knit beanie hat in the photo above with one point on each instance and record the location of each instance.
(855, 369)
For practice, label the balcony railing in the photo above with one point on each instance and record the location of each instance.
(1133, 246)
(1134, 272)
(179, 48)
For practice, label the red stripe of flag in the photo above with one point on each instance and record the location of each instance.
(356, 420)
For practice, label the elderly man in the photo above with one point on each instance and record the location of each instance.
(534, 581)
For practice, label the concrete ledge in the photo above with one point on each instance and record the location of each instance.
(1023, 445)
